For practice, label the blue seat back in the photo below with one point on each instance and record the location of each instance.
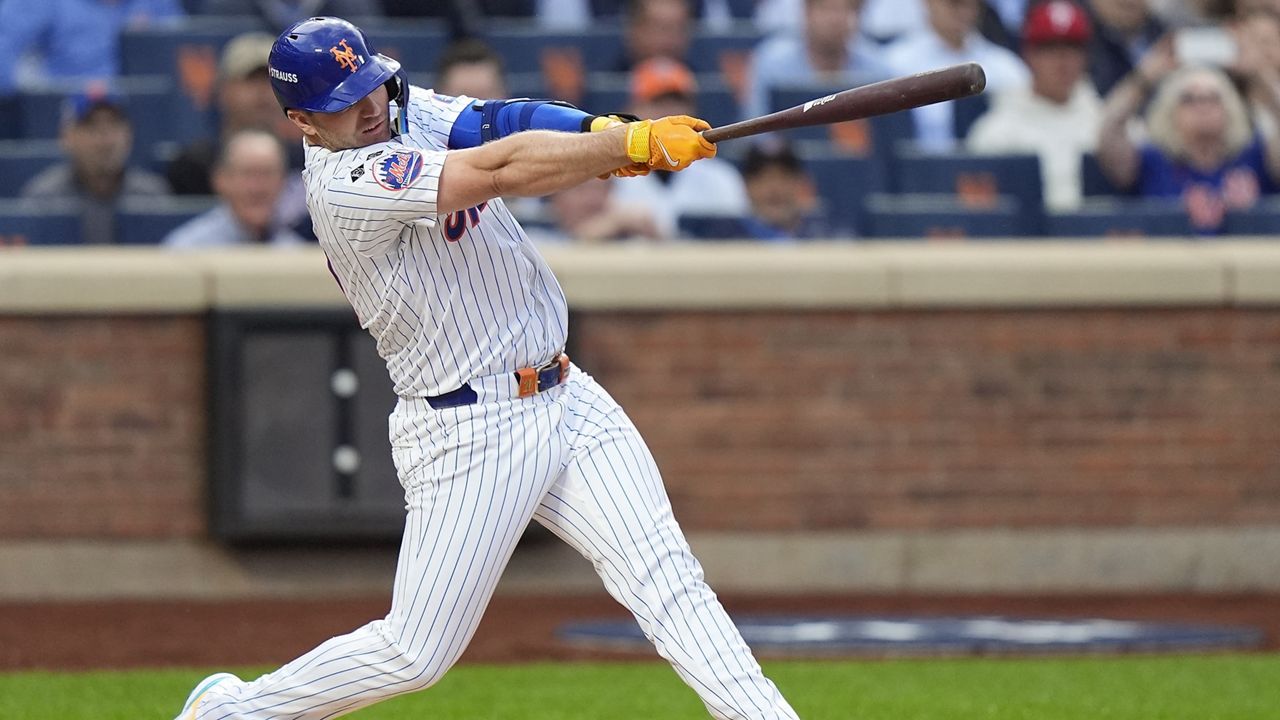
(1262, 219)
(1121, 218)
(844, 184)
(157, 112)
(928, 216)
(611, 92)
(147, 222)
(975, 179)
(712, 227)
(21, 160)
(967, 111)
(1094, 183)
(26, 222)
(878, 136)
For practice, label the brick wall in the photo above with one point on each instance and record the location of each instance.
(771, 421)
(102, 427)
(953, 419)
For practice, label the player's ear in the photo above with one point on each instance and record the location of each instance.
(303, 121)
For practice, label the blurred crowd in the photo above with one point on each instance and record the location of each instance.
(1099, 116)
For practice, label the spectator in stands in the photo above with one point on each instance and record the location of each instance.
(245, 101)
(1202, 148)
(97, 139)
(783, 204)
(470, 67)
(1058, 116)
(248, 177)
(829, 51)
(66, 43)
(280, 14)
(656, 28)
(661, 87)
(1124, 30)
(565, 15)
(952, 38)
(589, 214)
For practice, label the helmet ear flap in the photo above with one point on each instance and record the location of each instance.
(398, 91)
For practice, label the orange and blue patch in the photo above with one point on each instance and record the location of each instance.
(398, 170)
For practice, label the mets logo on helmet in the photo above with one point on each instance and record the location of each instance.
(398, 170)
(346, 57)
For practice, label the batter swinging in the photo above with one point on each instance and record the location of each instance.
(493, 425)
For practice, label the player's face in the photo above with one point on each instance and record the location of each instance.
(365, 123)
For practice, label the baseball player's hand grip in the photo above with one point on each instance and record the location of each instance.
(669, 143)
(888, 96)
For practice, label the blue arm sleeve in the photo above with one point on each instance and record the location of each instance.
(493, 119)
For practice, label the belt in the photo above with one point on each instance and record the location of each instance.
(528, 381)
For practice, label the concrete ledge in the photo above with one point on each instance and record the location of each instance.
(724, 276)
(983, 561)
(1255, 270)
(258, 277)
(99, 280)
(1057, 274)
(731, 276)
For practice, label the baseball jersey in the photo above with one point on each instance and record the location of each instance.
(447, 298)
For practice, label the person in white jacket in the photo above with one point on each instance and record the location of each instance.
(1058, 116)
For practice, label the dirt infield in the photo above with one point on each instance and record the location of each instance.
(75, 636)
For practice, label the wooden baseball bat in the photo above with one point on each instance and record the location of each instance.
(887, 96)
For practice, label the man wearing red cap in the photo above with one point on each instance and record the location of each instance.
(1057, 117)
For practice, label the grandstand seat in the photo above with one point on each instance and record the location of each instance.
(975, 179)
(711, 49)
(417, 44)
(1093, 182)
(182, 47)
(611, 92)
(712, 227)
(21, 160)
(1121, 217)
(843, 183)
(936, 217)
(967, 111)
(563, 58)
(147, 221)
(879, 136)
(157, 113)
(24, 222)
(1262, 219)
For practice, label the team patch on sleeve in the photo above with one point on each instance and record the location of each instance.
(398, 170)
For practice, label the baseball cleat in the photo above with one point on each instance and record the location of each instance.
(202, 688)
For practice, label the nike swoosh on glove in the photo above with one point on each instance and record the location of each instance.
(669, 143)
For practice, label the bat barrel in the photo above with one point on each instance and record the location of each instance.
(881, 98)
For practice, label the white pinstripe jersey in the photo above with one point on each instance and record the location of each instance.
(448, 298)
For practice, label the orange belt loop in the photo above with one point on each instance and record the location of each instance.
(564, 366)
(528, 381)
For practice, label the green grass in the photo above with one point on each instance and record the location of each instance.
(1204, 688)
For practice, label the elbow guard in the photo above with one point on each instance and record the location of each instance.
(488, 120)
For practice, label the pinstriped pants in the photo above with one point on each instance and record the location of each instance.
(473, 477)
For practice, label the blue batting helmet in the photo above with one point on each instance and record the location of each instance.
(326, 64)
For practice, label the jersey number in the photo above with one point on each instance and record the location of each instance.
(456, 223)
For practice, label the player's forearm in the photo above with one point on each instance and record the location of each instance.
(539, 163)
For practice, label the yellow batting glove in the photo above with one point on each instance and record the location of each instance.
(669, 143)
(604, 122)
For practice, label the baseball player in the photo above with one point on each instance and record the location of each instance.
(493, 425)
